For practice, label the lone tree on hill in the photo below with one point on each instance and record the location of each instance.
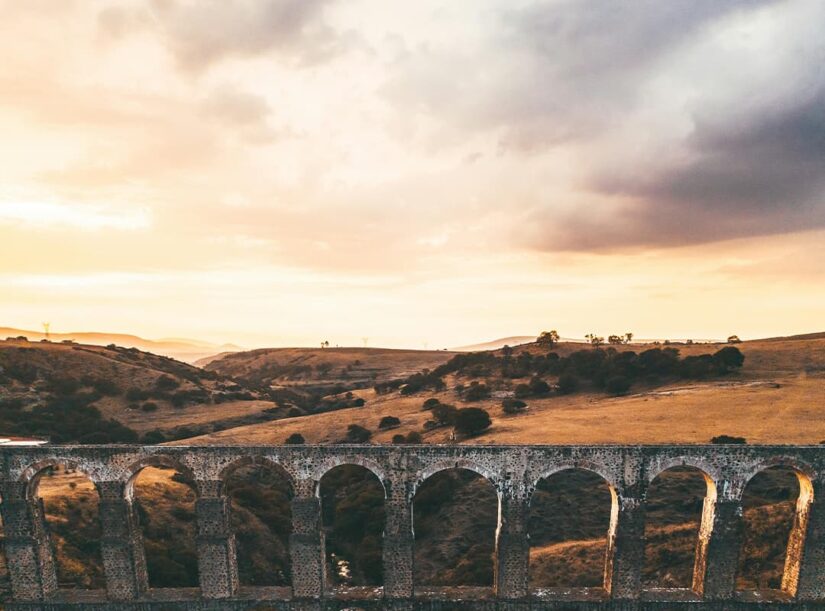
(357, 434)
(628, 337)
(470, 421)
(734, 339)
(295, 439)
(548, 338)
(595, 340)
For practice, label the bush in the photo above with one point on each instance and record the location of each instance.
(538, 386)
(444, 414)
(296, 439)
(152, 438)
(522, 391)
(389, 422)
(728, 358)
(513, 406)
(294, 412)
(137, 394)
(398, 438)
(357, 434)
(471, 421)
(149, 406)
(568, 383)
(166, 383)
(617, 385)
(476, 392)
(430, 403)
(729, 439)
(414, 437)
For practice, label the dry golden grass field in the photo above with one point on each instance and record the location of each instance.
(778, 397)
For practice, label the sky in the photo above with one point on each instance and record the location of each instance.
(412, 174)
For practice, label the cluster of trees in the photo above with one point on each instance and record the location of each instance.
(65, 419)
(467, 421)
(607, 369)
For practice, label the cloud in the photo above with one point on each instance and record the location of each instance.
(203, 33)
(740, 174)
(550, 72)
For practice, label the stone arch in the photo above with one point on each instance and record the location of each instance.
(256, 461)
(358, 461)
(472, 555)
(353, 503)
(709, 470)
(673, 515)
(31, 475)
(591, 469)
(579, 465)
(794, 548)
(66, 511)
(167, 524)
(457, 463)
(259, 494)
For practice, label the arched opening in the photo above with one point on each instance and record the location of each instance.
(352, 510)
(455, 517)
(164, 501)
(679, 509)
(572, 515)
(261, 518)
(775, 505)
(71, 512)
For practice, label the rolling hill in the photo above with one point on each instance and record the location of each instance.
(187, 350)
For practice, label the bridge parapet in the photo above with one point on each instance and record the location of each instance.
(514, 471)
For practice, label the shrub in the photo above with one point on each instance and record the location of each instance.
(471, 421)
(728, 358)
(538, 386)
(149, 406)
(522, 391)
(513, 406)
(728, 439)
(389, 422)
(166, 382)
(444, 414)
(398, 438)
(414, 437)
(294, 412)
(568, 383)
(295, 439)
(476, 392)
(617, 385)
(430, 403)
(357, 434)
(137, 394)
(153, 438)
(358, 402)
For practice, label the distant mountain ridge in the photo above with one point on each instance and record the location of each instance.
(182, 349)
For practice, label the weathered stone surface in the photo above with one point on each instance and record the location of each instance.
(513, 470)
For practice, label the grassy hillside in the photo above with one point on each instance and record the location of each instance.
(774, 398)
(111, 390)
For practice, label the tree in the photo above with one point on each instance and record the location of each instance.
(295, 439)
(617, 385)
(548, 338)
(444, 414)
(615, 340)
(398, 438)
(470, 421)
(357, 434)
(476, 392)
(389, 422)
(728, 358)
(430, 403)
(414, 437)
(595, 340)
(568, 383)
(734, 339)
(628, 337)
(513, 406)
(507, 352)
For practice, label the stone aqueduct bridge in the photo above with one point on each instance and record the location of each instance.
(514, 471)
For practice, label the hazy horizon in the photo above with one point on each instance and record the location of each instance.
(283, 172)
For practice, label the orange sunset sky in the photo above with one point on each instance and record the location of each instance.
(279, 172)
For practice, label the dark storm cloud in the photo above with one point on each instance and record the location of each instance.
(761, 174)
